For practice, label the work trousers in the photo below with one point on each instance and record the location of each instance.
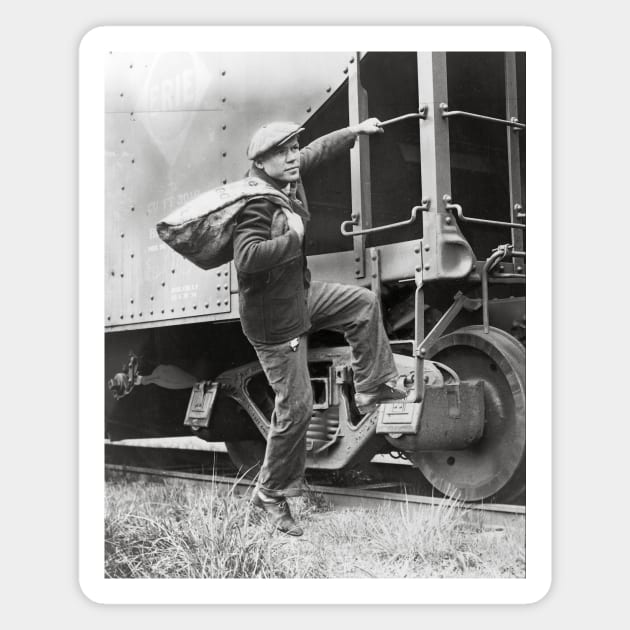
(355, 312)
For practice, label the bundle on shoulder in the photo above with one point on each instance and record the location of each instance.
(202, 229)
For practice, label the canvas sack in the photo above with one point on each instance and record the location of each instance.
(201, 230)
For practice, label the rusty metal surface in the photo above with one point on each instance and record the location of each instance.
(446, 254)
(360, 186)
(202, 398)
(355, 438)
(398, 261)
(177, 124)
(450, 417)
(513, 151)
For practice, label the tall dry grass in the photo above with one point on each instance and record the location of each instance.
(158, 530)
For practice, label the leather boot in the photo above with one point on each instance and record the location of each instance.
(367, 401)
(279, 514)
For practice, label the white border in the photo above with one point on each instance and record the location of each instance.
(94, 46)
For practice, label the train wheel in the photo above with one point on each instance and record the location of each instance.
(494, 467)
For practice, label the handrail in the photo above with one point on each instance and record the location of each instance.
(498, 254)
(391, 226)
(460, 214)
(513, 122)
(421, 113)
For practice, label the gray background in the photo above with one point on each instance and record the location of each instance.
(39, 164)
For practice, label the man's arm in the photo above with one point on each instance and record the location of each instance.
(335, 143)
(254, 250)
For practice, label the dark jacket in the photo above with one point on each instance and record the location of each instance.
(273, 275)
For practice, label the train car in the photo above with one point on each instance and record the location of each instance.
(430, 215)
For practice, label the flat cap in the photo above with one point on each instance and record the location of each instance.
(273, 134)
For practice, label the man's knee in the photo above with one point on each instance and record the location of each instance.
(297, 406)
(367, 299)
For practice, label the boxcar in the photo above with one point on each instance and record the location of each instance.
(430, 215)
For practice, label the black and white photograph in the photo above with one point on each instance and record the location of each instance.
(313, 329)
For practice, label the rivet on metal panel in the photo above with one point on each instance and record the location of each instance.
(308, 110)
(133, 208)
(109, 318)
(351, 59)
(345, 70)
(223, 73)
(224, 181)
(172, 270)
(218, 287)
(122, 235)
(113, 273)
(131, 114)
(427, 248)
(223, 127)
(122, 141)
(226, 287)
(218, 273)
(226, 273)
(223, 153)
(150, 312)
(151, 298)
(417, 268)
(131, 255)
(218, 302)
(519, 269)
(131, 316)
(131, 300)
(121, 317)
(416, 250)
(163, 284)
(172, 310)
(226, 302)
(130, 65)
(183, 308)
(162, 311)
(207, 305)
(133, 161)
(447, 220)
(122, 275)
(223, 99)
(122, 188)
(357, 272)
(139, 314)
(194, 307)
(427, 267)
(328, 89)
(357, 259)
(121, 95)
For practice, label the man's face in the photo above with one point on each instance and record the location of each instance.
(282, 163)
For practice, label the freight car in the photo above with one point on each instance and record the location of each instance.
(429, 215)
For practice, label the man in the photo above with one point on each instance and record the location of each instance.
(279, 305)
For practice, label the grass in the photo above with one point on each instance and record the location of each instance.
(162, 530)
